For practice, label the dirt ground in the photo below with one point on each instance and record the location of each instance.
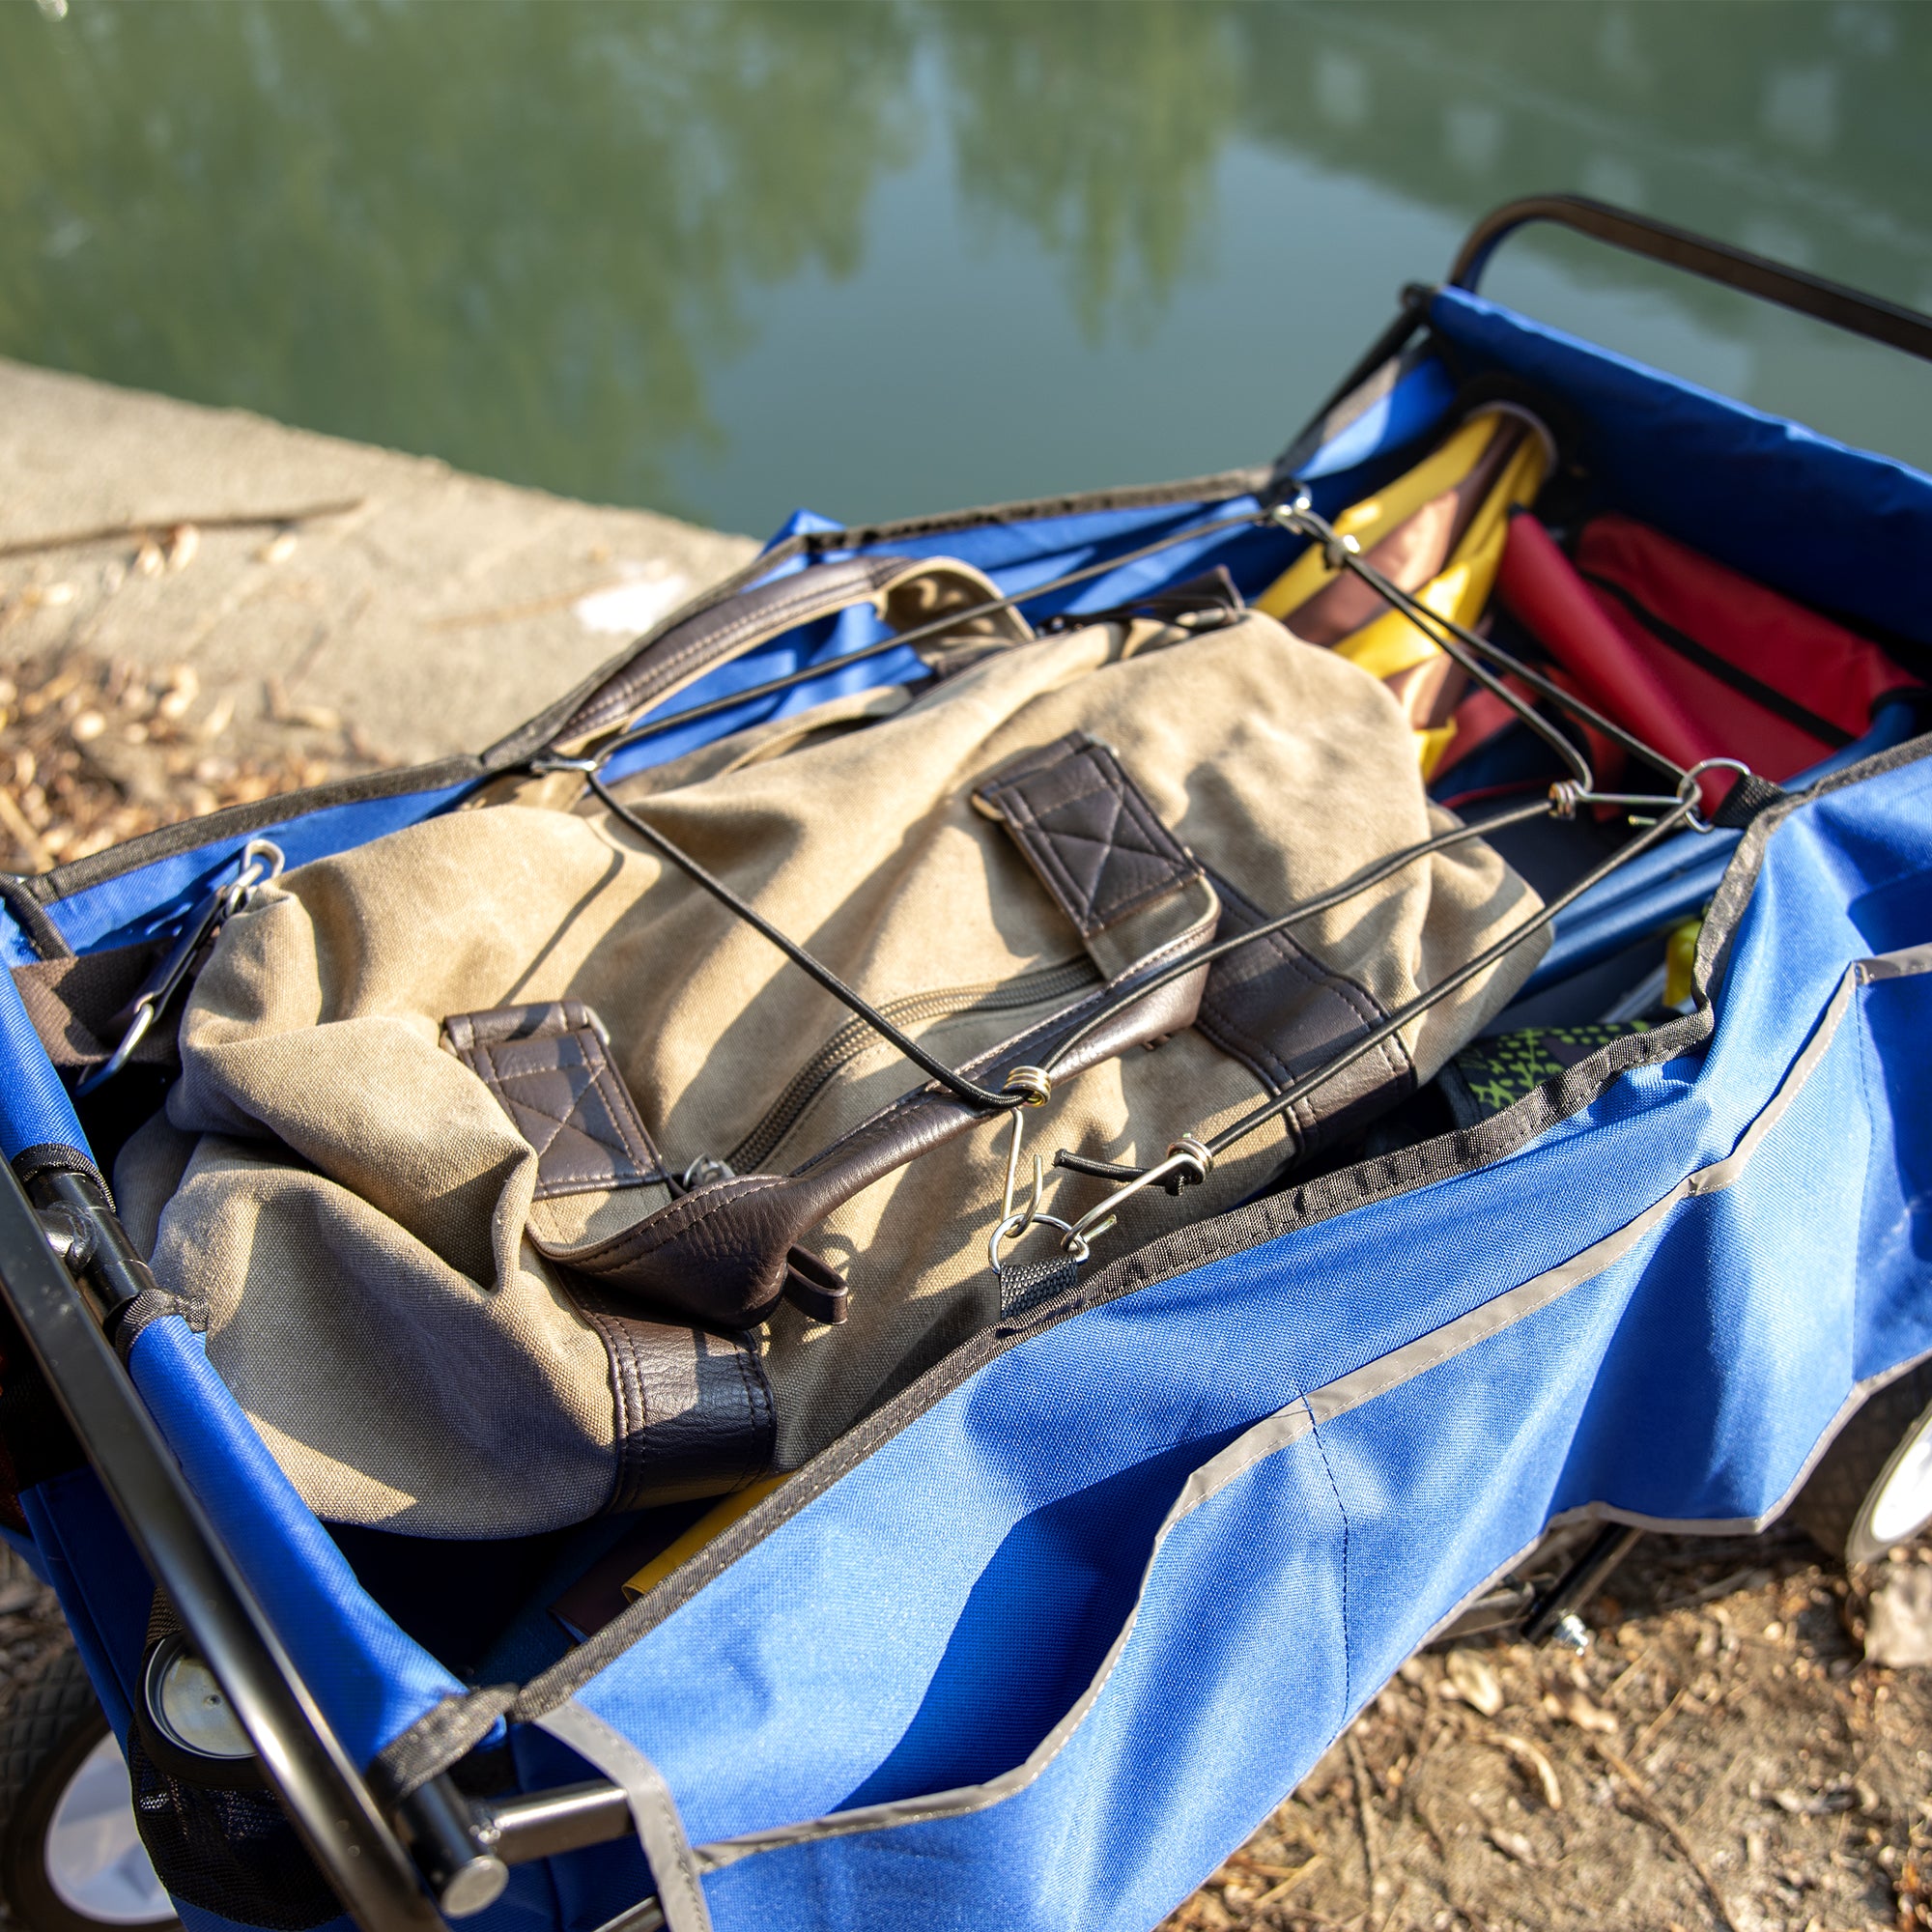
(94, 751)
(1722, 1755)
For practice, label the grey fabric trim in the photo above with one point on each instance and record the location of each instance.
(660, 1830)
(453, 1727)
(1360, 1386)
(30, 916)
(235, 821)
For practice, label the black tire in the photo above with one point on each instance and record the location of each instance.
(44, 1738)
(1835, 1506)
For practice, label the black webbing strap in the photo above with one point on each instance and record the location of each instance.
(1745, 800)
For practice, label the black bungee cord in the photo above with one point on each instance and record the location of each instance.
(1190, 1159)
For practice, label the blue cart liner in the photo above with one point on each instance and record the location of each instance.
(1041, 1642)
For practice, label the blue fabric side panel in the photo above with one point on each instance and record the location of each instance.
(1678, 878)
(1237, 1660)
(371, 1680)
(1413, 405)
(1278, 1608)
(1687, 1379)
(28, 1551)
(1832, 525)
(1746, 1347)
(138, 904)
(1896, 1225)
(103, 1586)
(35, 1109)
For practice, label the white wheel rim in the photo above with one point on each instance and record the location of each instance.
(1904, 1499)
(96, 1862)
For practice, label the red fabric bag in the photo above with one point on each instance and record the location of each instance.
(1692, 657)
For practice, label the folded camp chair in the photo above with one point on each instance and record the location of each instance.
(1046, 1635)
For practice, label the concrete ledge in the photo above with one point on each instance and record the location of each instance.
(432, 615)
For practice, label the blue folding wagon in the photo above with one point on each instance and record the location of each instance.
(1049, 1632)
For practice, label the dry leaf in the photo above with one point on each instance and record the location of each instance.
(279, 548)
(1474, 1682)
(148, 559)
(183, 540)
(183, 688)
(88, 725)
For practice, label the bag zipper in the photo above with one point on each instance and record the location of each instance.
(855, 1037)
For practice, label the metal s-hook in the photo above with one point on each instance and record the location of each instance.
(1035, 1085)
(1190, 1161)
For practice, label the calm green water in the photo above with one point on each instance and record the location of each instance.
(879, 258)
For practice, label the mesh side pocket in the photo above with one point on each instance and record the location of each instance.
(229, 1852)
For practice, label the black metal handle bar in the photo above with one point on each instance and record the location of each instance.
(332, 1809)
(1824, 300)
(1870, 316)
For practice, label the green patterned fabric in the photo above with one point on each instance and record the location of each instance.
(1489, 1075)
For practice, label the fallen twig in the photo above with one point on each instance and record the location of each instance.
(1655, 1727)
(1532, 1760)
(1667, 1825)
(1276, 1893)
(154, 526)
(1359, 1765)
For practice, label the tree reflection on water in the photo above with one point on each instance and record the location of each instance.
(533, 238)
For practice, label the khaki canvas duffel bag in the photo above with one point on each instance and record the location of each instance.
(514, 1178)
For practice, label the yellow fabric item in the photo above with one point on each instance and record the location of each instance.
(713, 1523)
(1393, 643)
(1680, 958)
(1374, 517)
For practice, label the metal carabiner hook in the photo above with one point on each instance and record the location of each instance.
(1687, 789)
(262, 859)
(1035, 1087)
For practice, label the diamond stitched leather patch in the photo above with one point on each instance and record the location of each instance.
(548, 1067)
(1089, 833)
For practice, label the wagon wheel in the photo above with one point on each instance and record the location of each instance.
(70, 1859)
(1873, 1486)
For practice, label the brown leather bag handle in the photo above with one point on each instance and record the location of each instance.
(723, 1253)
(676, 657)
